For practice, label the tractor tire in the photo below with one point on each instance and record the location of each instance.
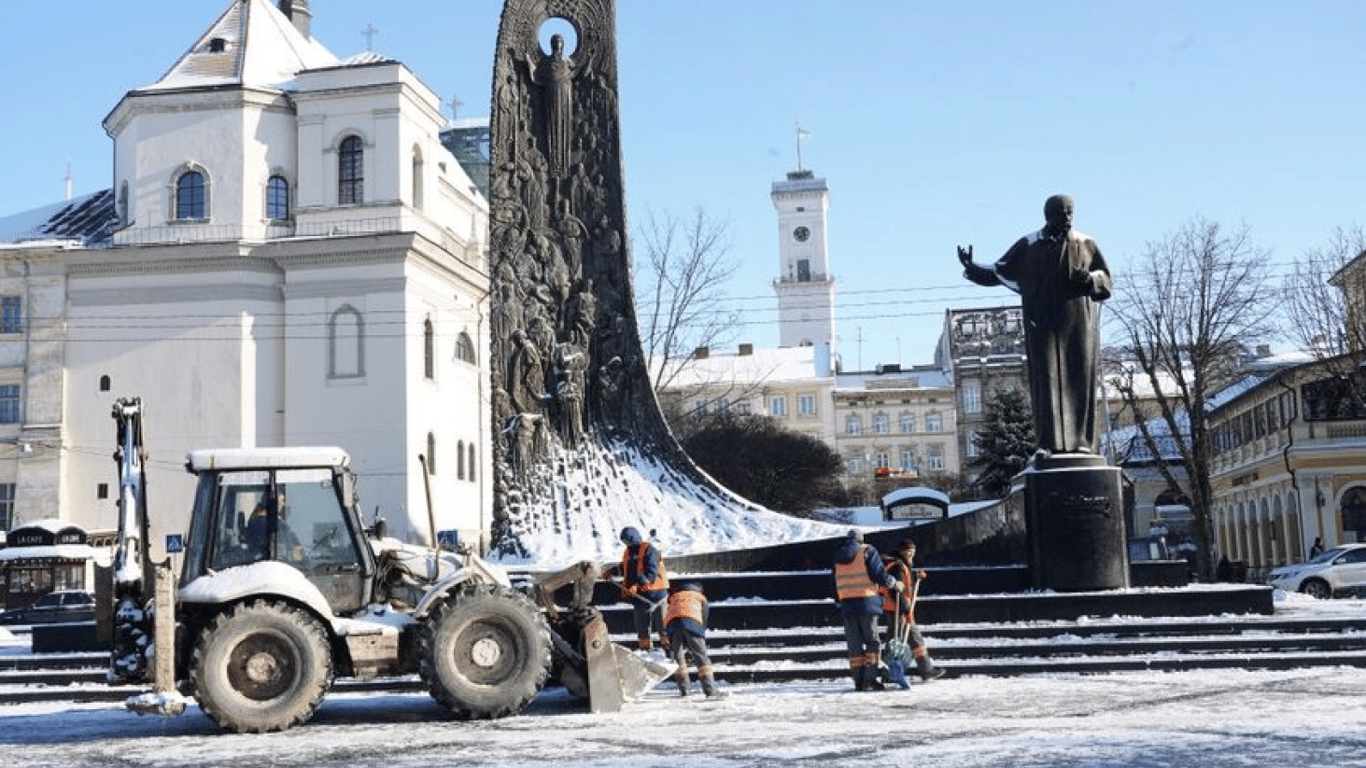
(485, 652)
(261, 666)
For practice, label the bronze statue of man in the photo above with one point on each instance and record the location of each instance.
(1061, 277)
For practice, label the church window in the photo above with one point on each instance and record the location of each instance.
(346, 343)
(417, 177)
(191, 196)
(277, 198)
(464, 349)
(803, 270)
(428, 349)
(351, 171)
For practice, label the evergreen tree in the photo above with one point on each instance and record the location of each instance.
(1003, 443)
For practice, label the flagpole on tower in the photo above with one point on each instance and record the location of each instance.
(802, 133)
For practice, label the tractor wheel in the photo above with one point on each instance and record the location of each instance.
(485, 652)
(261, 666)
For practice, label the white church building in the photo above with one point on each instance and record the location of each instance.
(286, 256)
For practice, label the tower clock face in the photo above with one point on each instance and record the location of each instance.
(801, 234)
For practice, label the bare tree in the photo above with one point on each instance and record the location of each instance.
(1195, 302)
(1325, 300)
(681, 291)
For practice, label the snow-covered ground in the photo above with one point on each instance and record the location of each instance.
(1212, 719)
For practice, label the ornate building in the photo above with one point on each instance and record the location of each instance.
(982, 351)
(287, 256)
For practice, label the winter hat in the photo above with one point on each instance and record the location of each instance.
(856, 534)
(629, 535)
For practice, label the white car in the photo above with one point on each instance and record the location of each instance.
(1337, 571)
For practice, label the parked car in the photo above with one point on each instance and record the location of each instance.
(1337, 571)
(60, 606)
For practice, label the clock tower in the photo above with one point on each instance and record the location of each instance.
(805, 287)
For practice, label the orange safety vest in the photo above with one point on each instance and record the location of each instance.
(661, 579)
(851, 578)
(685, 604)
(903, 575)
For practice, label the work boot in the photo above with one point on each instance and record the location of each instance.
(708, 680)
(927, 670)
(681, 679)
(643, 643)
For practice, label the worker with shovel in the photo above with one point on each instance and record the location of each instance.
(906, 645)
(644, 582)
(858, 575)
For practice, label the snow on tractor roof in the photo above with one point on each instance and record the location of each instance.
(265, 458)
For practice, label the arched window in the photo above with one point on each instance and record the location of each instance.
(277, 198)
(464, 349)
(417, 177)
(345, 343)
(123, 203)
(191, 196)
(105, 383)
(428, 349)
(351, 171)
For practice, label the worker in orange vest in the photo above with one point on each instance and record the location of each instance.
(858, 573)
(901, 566)
(645, 583)
(686, 622)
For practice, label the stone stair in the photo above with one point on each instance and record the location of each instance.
(779, 626)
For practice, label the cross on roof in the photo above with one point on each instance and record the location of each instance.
(369, 33)
(456, 104)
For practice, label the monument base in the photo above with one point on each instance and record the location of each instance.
(1074, 520)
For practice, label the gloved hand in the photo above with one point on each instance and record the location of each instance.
(628, 592)
(898, 587)
(922, 574)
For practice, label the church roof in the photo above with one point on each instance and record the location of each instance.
(253, 44)
(87, 219)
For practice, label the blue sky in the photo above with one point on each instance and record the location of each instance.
(936, 123)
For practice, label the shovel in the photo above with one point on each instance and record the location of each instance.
(898, 653)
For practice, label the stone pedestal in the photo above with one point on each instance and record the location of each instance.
(1074, 519)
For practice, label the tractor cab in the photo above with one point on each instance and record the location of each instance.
(288, 505)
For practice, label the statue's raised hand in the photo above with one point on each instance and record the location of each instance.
(965, 256)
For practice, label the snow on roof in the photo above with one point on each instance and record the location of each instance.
(48, 552)
(83, 218)
(759, 366)
(916, 495)
(918, 377)
(252, 44)
(262, 458)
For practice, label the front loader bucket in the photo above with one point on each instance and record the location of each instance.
(614, 674)
(639, 675)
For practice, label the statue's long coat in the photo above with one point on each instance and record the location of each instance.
(1061, 282)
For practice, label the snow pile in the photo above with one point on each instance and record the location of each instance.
(601, 489)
